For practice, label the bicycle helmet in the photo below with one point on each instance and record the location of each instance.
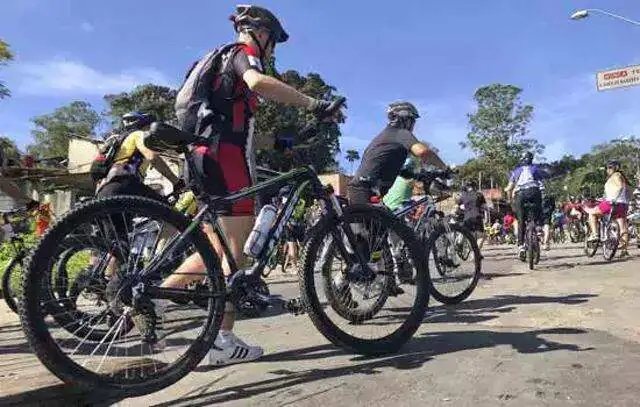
(527, 158)
(613, 164)
(249, 17)
(136, 120)
(402, 114)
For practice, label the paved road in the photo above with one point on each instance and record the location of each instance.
(564, 334)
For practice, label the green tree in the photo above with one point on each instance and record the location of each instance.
(352, 156)
(155, 99)
(274, 121)
(499, 128)
(9, 149)
(5, 56)
(53, 131)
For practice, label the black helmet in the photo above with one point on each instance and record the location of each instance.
(614, 164)
(136, 120)
(255, 17)
(402, 109)
(527, 158)
(402, 114)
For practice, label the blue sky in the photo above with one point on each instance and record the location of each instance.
(435, 53)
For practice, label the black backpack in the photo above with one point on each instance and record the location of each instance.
(193, 102)
(106, 157)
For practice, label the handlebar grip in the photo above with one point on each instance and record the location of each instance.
(329, 111)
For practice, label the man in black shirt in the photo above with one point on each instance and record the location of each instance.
(473, 205)
(385, 155)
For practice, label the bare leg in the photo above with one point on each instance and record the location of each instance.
(624, 232)
(292, 254)
(546, 235)
(236, 230)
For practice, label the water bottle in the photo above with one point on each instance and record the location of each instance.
(258, 236)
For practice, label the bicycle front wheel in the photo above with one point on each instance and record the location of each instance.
(168, 339)
(367, 310)
(454, 263)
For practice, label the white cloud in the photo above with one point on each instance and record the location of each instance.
(56, 76)
(87, 27)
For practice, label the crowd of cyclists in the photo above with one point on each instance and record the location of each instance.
(217, 102)
(574, 219)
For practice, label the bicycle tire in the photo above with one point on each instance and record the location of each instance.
(473, 245)
(530, 249)
(55, 360)
(379, 346)
(7, 292)
(610, 245)
(590, 248)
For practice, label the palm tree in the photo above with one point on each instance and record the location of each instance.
(352, 156)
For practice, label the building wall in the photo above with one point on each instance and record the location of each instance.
(338, 181)
(81, 154)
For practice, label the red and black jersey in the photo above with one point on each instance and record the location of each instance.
(232, 97)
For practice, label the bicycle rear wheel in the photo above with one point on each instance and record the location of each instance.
(610, 244)
(530, 247)
(454, 263)
(369, 328)
(169, 339)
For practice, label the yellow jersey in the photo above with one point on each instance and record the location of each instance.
(128, 149)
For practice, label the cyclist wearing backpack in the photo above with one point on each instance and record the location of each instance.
(218, 100)
(123, 162)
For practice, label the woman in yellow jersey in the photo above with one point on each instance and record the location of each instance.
(126, 175)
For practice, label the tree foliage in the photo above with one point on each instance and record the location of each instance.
(5, 56)
(499, 129)
(586, 175)
(155, 99)
(276, 122)
(53, 131)
(10, 150)
(352, 156)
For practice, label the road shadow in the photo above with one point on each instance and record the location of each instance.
(555, 266)
(485, 309)
(491, 276)
(61, 395)
(415, 354)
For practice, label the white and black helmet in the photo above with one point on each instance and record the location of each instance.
(402, 113)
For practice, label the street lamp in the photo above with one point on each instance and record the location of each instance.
(582, 14)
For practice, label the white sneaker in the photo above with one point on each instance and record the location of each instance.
(229, 349)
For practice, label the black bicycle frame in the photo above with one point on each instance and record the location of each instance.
(302, 178)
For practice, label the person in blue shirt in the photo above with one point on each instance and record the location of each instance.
(525, 186)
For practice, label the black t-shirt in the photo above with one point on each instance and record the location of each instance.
(233, 98)
(472, 202)
(385, 155)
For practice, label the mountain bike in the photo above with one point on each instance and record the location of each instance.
(559, 235)
(576, 229)
(454, 260)
(128, 362)
(608, 237)
(453, 254)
